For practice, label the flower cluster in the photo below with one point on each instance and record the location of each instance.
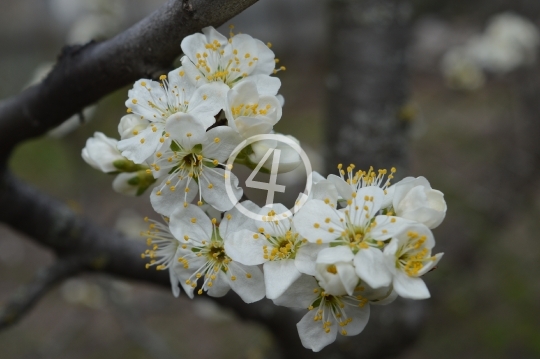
(353, 240)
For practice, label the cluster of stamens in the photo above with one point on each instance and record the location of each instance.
(333, 307)
(361, 178)
(175, 101)
(412, 256)
(162, 245)
(249, 110)
(213, 67)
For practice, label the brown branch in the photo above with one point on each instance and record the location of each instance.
(84, 74)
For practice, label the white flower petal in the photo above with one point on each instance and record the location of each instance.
(192, 72)
(213, 191)
(168, 201)
(174, 282)
(190, 221)
(300, 294)
(130, 125)
(343, 188)
(266, 62)
(278, 277)
(220, 286)
(325, 191)
(410, 287)
(145, 101)
(234, 220)
(186, 129)
(360, 318)
(312, 334)
(335, 254)
(193, 44)
(266, 85)
(244, 248)
(358, 213)
(220, 142)
(348, 276)
(306, 256)
(251, 126)
(208, 100)
(431, 264)
(388, 227)
(248, 283)
(310, 222)
(139, 148)
(213, 35)
(371, 267)
(101, 152)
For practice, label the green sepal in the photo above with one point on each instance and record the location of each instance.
(174, 146)
(126, 165)
(143, 181)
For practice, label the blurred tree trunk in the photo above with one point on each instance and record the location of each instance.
(366, 125)
(367, 83)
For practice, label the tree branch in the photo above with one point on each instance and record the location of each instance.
(84, 74)
(97, 249)
(28, 295)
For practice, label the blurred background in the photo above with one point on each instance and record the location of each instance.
(471, 123)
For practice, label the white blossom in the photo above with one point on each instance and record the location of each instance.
(329, 314)
(414, 199)
(162, 252)
(202, 255)
(249, 113)
(357, 227)
(408, 257)
(275, 244)
(188, 165)
(349, 182)
(101, 152)
(212, 58)
(158, 103)
(133, 183)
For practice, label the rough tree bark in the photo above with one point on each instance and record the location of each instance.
(367, 91)
(367, 83)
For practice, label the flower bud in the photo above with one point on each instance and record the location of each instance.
(414, 199)
(134, 183)
(101, 153)
(131, 125)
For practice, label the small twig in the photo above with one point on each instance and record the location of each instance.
(27, 295)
